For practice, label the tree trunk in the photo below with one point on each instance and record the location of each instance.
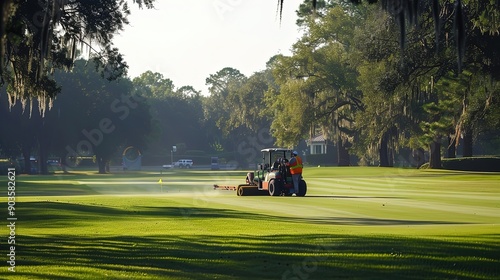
(343, 153)
(468, 142)
(452, 149)
(64, 164)
(435, 155)
(383, 152)
(27, 160)
(42, 157)
(101, 163)
(42, 162)
(390, 157)
(386, 156)
(418, 157)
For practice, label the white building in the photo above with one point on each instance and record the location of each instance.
(317, 145)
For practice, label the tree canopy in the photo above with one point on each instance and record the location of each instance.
(483, 15)
(393, 91)
(36, 38)
(376, 82)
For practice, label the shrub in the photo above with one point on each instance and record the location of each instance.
(484, 164)
(320, 159)
(6, 164)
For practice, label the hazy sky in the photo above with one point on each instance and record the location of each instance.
(188, 40)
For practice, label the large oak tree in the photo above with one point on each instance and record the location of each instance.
(37, 37)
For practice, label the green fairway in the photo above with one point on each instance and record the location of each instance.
(354, 223)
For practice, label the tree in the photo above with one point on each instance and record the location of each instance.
(307, 9)
(412, 81)
(470, 98)
(387, 94)
(109, 117)
(248, 103)
(177, 114)
(18, 133)
(398, 74)
(317, 83)
(91, 117)
(36, 39)
(484, 15)
(217, 107)
(154, 85)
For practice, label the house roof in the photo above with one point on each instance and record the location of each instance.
(318, 138)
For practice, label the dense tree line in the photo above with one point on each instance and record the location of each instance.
(38, 37)
(354, 77)
(399, 96)
(95, 118)
(91, 117)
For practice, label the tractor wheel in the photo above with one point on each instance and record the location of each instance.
(302, 188)
(240, 191)
(274, 188)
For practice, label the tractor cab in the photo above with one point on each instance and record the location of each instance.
(273, 165)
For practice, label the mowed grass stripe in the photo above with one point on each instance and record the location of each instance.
(406, 187)
(488, 204)
(362, 208)
(461, 203)
(372, 185)
(302, 207)
(410, 231)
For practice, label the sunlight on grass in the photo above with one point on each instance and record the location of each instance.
(355, 223)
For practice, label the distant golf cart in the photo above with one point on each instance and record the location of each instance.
(272, 176)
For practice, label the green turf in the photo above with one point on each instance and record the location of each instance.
(354, 223)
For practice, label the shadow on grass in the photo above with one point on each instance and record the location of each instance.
(285, 256)
(354, 197)
(311, 256)
(194, 212)
(63, 189)
(57, 214)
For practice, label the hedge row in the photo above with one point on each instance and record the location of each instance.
(320, 159)
(484, 164)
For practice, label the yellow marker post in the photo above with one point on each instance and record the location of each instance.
(161, 184)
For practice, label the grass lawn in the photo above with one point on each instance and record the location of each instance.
(354, 223)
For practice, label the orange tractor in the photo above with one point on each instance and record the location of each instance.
(272, 176)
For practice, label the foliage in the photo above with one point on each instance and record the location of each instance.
(412, 82)
(484, 15)
(36, 39)
(177, 114)
(154, 85)
(483, 164)
(221, 87)
(293, 113)
(110, 116)
(309, 9)
(317, 83)
(91, 116)
(353, 77)
(236, 107)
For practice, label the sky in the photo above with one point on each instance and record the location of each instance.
(188, 40)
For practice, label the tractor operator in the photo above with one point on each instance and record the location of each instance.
(295, 165)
